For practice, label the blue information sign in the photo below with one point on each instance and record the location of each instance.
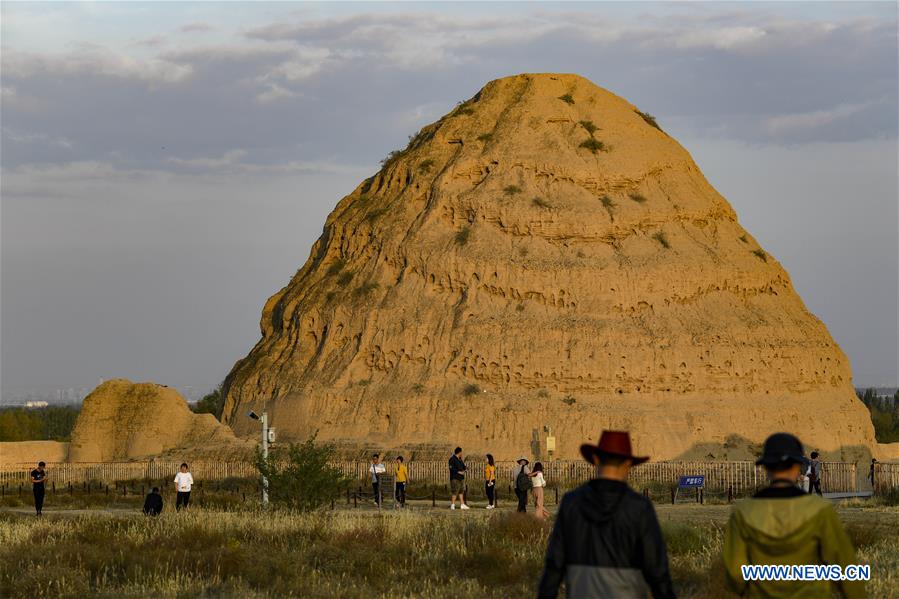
(694, 481)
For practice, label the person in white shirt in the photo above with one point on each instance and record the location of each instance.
(183, 482)
(539, 485)
(376, 470)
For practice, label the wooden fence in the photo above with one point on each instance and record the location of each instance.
(739, 477)
(886, 478)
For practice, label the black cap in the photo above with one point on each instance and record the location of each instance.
(781, 448)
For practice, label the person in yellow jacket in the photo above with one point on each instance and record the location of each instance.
(490, 482)
(402, 477)
(783, 526)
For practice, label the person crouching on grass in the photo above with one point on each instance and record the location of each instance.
(606, 541)
(783, 525)
(153, 503)
(184, 480)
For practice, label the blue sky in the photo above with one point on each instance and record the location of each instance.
(167, 166)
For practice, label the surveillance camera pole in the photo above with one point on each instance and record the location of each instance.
(264, 421)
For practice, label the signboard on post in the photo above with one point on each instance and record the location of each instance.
(691, 481)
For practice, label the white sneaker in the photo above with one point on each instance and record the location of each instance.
(465, 507)
(490, 507)
(452, 506)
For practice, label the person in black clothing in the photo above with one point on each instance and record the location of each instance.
(457, 479)
(153, 503)
(606, 541)
(814, 474)
(38, 480)
(523, 484)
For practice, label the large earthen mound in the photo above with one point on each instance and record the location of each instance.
(544, 257)
(121, 421)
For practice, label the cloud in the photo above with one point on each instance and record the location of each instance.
(37, 138)
(787, 123)
(275, 93)
(196, 28)
(227, 159)
(93, 60)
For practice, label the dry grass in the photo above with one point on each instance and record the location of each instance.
(359, 553)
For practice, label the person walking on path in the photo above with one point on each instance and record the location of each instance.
(539, 483)
(153, 503)
(606, 541)
(815, 467)
(376, 470)
(490, 482)
(38, 487)
(184, 481)
(782, 525)
(871, 472)
(457, 479)
(522, 481)
(402, 477)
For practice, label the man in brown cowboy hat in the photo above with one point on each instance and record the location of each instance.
(606, 541)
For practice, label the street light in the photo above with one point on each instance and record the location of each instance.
(268, 435)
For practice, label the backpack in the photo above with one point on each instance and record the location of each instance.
(523, 482)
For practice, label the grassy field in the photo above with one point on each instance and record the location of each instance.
(109, 551)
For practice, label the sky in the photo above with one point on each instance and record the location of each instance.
(167, 166)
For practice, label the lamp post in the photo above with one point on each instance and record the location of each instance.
(267, 436)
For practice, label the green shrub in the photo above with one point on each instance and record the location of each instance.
(336, 267)
(471, 389)
(519, 308)
(607, 202)
(640, 199)
(569, 400)
(462, 235)
(485, 137)
(344, 279)
(391, 158)
(425, 165)
(511, 190)
(761, 255)
(417, 388)
(662, 239)
(541, 203)
(365, 289)
(300, 476)
(594, 145)
(542, 393)
(374, 215)
(650, 120)
(589, 126)
(744, 239)
(567, 98)
(462, 108)
(211, 403)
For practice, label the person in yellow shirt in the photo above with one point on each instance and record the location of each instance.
(490, 482)
(402, 477)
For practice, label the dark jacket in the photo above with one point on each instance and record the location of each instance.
(153, 504)
(606, 542)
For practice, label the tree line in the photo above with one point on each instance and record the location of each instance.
(884, 414)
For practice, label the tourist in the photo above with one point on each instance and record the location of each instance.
(402, 477)
(871, 473)
(815, 468)
(490, 482)
(782, 525)
(153, 503)
(184, 480)
(539, 484)
(38, 487)
(376, 470)
(606, 541)
(523, 483)
(457, 479)
(803, 474)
